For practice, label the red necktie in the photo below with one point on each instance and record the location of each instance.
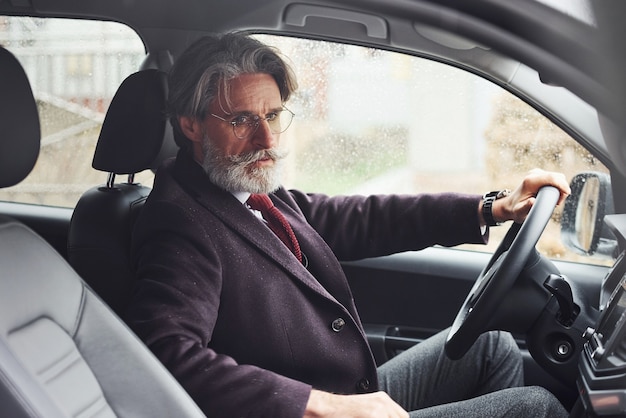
(276, 221)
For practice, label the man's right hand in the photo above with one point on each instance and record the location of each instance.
(369, 405)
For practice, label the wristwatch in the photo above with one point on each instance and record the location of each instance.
(488, 200)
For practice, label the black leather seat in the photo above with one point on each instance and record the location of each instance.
(63, 353)
(133, 138)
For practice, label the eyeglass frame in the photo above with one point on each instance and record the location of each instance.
(257, 121)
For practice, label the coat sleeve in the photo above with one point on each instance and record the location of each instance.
(174, 311)
(385, 224)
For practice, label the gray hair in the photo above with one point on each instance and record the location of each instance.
(206, 68)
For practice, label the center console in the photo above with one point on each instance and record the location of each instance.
(602, 366)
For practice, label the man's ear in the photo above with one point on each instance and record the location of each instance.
(191, 127)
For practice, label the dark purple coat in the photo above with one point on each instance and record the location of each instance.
(246, 328)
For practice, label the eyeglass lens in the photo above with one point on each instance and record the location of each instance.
(278, 124)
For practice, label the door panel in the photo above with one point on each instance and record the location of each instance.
(419, 290)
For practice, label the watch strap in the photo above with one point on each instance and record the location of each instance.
(487, 209)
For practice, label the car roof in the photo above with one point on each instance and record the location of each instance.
(528, 47)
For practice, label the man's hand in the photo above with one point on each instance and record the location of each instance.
(370, 405)
(517, 205)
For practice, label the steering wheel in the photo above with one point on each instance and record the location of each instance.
(498, 277)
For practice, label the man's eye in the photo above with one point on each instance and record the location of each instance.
(242, 120)
(271, 116)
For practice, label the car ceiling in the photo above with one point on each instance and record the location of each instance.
(489, 37)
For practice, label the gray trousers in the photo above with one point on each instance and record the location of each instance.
(486, 382)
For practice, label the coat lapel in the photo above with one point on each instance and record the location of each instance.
(242, 221)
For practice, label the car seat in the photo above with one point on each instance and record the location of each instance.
(134, 137)
(63, 352)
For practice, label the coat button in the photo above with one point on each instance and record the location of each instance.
(338, 324)
(363, 385)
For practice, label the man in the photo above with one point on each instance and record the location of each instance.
(254, 327)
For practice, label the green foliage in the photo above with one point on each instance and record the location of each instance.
(336, 163)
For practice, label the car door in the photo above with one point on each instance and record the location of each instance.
(370, 121)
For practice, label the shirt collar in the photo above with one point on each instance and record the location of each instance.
(241, 196)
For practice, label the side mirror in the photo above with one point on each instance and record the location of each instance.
(582, 225)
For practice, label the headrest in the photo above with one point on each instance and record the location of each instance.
(133, 131)
(19, 122)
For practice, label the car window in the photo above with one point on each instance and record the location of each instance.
(370, 121)
(367, 121)
(74, 67)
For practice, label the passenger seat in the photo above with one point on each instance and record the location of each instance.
(134, 138)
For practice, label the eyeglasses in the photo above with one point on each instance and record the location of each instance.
(244, 126)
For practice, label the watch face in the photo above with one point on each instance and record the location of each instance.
(502, 193)
(497, 194)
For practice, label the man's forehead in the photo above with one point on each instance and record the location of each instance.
(250, 92)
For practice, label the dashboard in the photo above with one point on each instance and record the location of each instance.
(602, 366)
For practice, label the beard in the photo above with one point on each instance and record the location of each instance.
(237, 173)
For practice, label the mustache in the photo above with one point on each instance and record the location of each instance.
(273, 154)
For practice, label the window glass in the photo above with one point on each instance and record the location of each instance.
(369, 121)
(74, 67)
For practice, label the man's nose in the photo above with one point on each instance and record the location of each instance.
(263, 136)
